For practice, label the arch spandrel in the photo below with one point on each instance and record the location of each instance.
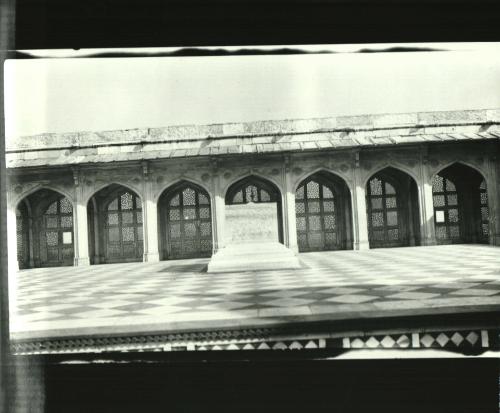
(241, 177)
(158, 193)
(434, 171)
(379, 167)
(27, 190)
(92, 190)
(304, 175)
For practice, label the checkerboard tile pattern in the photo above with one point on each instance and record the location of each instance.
(181, 291)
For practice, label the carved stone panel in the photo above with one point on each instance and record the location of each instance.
(251, 222)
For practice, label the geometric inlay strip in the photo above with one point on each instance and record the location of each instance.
(468, 339)
(256, 339)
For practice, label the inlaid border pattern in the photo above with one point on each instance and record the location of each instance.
(471, 340)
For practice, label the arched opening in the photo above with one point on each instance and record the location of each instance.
(24, 258)
(115, 226)
(256, 190)
(323, 211)
(185, 222)
(44, 230)
(460, 199)
(392, 207)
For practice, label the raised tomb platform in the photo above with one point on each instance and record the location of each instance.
(252, 241)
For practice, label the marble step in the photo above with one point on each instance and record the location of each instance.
(253, 257)
(255, 248)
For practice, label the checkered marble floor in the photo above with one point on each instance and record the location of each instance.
(331, 285)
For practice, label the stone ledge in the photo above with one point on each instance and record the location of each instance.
(250, 129)
(152, 150)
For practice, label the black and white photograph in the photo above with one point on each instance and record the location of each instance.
(153, 199)
(341, 197)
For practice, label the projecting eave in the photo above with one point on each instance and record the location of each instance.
(253, 138)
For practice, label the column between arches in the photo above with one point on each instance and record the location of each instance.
(426, 204)
(493, 188)
(80, 229)
(360, 221)
(12, 262)
(150, 223)
(289, 213)
(218, 212)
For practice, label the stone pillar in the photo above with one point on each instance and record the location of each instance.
(218, 204)
(31, 235)
(13, 265)
(360, 221)
(80, 228)
(149, 220)
(493, 188)
(426, 205)
(289, 219)
(96, 238)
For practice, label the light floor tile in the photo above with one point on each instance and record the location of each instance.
(351, 299)
(413, 295)
(475, 292)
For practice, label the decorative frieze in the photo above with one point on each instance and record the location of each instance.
(261, 339)
(454, 340)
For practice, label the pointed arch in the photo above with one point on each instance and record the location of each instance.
(185, 217)
(180, 181)
(460, 200)
(392, 208)
(126, 185)
(307, 174)
(265, 190)
(257, 176)
(458, 163)
(16, 200)
(44, 228)
(23, 237)
(258, 189)
(115, 217)
(390, 165)
(323, 212)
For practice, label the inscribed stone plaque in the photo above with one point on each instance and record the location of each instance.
(67, 238)
(251, 222)
(439, 216)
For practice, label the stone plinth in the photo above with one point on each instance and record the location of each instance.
(251, 234)
(253, 256)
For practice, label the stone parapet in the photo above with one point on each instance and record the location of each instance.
(405, 123)
(252, 138)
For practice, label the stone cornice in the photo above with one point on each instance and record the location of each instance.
(412, 122)
(268, 137)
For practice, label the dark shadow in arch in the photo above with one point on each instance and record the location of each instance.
(185, 222)
(323, 213)
(393, 209)
(115, 225)
(460, 199)
(44, 230)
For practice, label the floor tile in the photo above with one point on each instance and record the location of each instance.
(331, 283)
(412, 295)
(351, 299)
(290, 302)
(475, 292)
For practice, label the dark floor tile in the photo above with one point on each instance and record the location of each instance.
(136, 307)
